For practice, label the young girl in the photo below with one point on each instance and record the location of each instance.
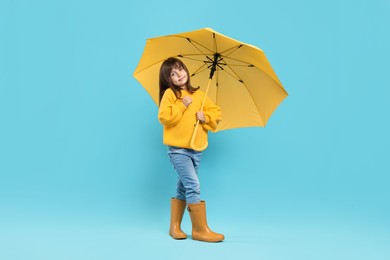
(179, 111)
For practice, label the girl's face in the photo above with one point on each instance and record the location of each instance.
(179, 77)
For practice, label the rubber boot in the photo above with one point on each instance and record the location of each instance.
(200, 229)
(177, 211)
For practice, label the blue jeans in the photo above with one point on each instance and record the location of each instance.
(186, 163)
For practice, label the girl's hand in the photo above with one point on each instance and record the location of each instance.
(186, 101)
(201, 117)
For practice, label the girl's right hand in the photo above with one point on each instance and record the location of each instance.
(187, 100)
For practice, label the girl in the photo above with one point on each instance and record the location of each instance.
(178, 112)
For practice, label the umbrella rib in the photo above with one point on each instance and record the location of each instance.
(179, 55)
(199, 70)
(251, 65)
(236, 77)
(246, 63)
(258, 110)
(239, 65)
(193, 54)
(240, 80)
(232, 49)
(193, 44)
(186, 57)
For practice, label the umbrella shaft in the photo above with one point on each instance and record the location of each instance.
(214, 64)
(205, 94)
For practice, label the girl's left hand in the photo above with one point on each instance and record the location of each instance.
(201, 117)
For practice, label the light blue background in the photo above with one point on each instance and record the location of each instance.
(83, 171)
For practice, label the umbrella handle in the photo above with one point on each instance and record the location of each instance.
(199, 149)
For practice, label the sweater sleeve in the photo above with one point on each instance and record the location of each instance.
(213, 115)
(170, 112)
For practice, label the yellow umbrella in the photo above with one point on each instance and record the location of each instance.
(235, 75)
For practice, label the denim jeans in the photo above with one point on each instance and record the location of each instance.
(186, 163)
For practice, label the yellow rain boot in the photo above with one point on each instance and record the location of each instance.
(200, 229)
(177, 211)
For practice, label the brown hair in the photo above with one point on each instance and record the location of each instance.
(165, 77)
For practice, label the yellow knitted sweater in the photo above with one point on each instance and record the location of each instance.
(179, 120)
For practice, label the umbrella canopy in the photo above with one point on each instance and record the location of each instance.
(235, 75)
